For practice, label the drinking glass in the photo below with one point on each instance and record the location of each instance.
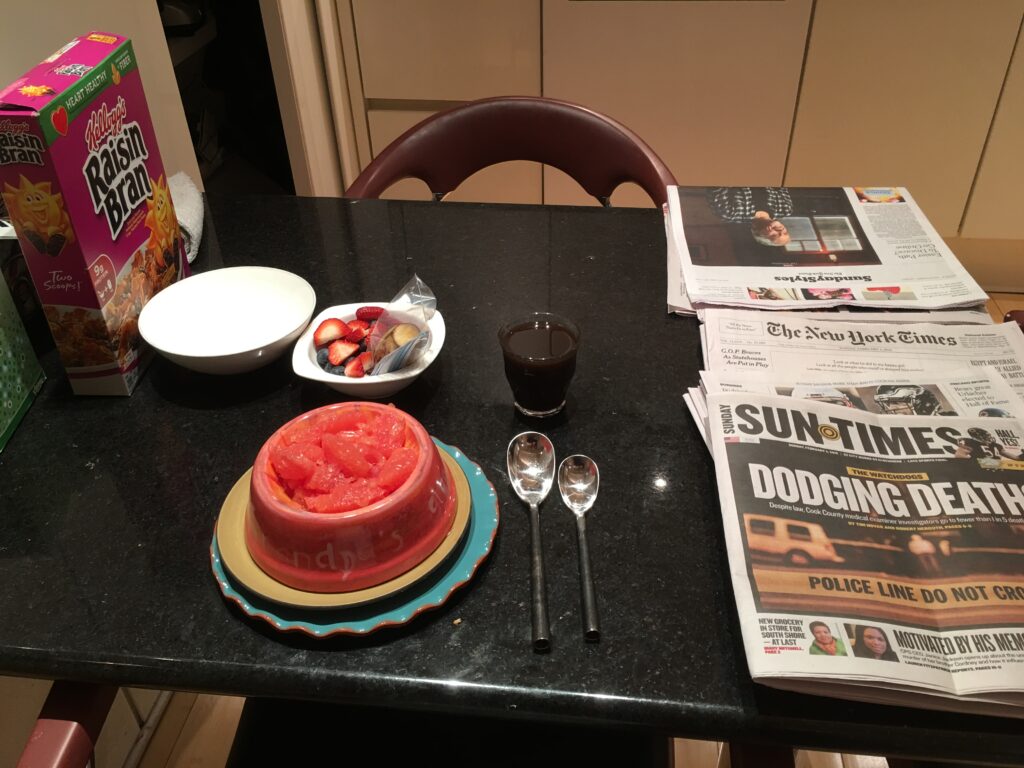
(540, 360)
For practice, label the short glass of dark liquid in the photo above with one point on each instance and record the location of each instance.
(540, 359)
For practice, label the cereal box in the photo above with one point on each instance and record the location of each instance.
(84, 186)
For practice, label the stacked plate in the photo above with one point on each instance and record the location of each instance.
(394, 602)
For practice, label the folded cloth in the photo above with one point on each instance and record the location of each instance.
(188, 205)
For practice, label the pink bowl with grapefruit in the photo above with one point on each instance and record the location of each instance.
(346, 497)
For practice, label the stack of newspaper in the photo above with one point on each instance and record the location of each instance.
(808, 248)
(871, 476)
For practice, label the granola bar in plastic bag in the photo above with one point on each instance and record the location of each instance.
(402, 332)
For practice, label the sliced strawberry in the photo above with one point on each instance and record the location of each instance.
(354, 368)
(340, 351)
(358, 330)
(329, 330)
(369, 313)
(366, 358)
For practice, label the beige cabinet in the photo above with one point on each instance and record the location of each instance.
(902, 93)
(921, 93)
(710, 86)
(996, 202)
(682, 75)
(447, 50)
(443, 53)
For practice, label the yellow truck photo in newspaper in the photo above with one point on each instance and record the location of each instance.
(796, 543)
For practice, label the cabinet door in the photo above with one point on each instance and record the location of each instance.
(902, 94)
(994, 210)
(419, 57)
(453, 50)
(711, 87)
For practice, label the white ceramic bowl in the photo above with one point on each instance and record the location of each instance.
(228, 320)
(367, 387)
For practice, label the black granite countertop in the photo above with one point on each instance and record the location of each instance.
(107, 505)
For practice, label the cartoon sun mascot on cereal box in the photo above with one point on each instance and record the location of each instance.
(38, 215)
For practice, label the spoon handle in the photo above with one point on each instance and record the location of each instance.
(591, 628)
(541, 630)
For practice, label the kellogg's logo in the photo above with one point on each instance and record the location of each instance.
(103, 122)
(17, 145)
(115, 168)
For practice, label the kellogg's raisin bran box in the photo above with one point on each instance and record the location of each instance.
(81, 175)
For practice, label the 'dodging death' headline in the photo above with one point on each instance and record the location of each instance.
(885, 498)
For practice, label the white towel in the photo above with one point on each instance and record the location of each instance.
(188, 205)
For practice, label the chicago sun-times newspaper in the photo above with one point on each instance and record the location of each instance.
(875, 557)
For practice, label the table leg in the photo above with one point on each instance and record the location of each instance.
(746, 755)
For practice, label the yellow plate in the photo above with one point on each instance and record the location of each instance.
(236, 557)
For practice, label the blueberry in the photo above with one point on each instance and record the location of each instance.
(321, 358)
(338, 369)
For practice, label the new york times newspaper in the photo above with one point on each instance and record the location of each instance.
(875, 557)
(809, 247)
(744, 341)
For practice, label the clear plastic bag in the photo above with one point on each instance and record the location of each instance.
(394, 347)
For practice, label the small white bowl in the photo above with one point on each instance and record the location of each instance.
(229, 320)
(368, 387)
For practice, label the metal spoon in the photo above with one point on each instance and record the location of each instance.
(531, 468)
(578, 481)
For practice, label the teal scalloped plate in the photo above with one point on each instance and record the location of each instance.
(430, 592)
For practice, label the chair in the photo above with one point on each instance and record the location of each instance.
(447, 148)
(1015, 316)
(68, 726)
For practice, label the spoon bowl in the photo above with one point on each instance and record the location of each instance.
(531, 470)
(531, 466)
(578, 482)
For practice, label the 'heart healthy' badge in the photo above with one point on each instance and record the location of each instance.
(59, 118)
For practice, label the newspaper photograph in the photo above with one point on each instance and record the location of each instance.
(801, 247)
(745, 341)
(875, 556)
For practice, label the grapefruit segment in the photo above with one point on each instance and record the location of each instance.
(347, 454)
(397, 468)
(297, 461)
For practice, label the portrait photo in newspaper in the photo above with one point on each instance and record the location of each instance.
(773, 227)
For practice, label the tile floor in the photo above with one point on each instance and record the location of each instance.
(196, 730)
